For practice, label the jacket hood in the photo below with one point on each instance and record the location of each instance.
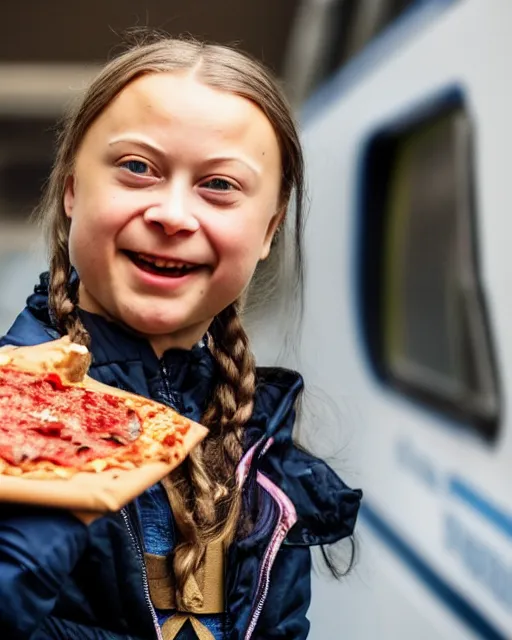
(326, 507)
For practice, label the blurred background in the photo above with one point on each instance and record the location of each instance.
(404, 108)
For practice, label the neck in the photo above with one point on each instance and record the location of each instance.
(184, 338)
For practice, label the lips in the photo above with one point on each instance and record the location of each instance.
(161, 266)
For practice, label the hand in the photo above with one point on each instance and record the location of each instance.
(87, 517)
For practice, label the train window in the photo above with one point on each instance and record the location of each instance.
(423, 304)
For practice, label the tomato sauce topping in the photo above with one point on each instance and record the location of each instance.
(40, 419)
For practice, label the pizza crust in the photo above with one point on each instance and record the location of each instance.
(68, 360)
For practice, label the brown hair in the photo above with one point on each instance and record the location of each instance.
(205, 499)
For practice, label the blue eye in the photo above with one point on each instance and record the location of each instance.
(136, 166)
(218, 184)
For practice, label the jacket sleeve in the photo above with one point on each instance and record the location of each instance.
(38, 550)
(284, 613)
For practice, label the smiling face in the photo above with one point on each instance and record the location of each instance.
(174, 198)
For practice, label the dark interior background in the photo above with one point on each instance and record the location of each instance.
(78, 31)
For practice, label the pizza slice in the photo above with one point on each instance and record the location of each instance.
(58, 424)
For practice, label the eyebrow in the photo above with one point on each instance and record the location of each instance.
(247, 163)
(155, 148)
(140, 142)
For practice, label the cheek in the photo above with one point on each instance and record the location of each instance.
(238, 247)
(99, 216)
(240, 242)
(86, 247)
(92, 233)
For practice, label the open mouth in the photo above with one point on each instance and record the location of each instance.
(161, 267)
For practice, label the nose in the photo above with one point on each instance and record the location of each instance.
(172, 212)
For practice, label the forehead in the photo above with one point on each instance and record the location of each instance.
(171, 106)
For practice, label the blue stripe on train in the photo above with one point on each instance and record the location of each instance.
(461, 490)
(457, 604)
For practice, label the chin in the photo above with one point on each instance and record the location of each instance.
(154, 324)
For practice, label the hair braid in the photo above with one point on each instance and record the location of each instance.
(233, 400)
(63, 301)
(203, 491)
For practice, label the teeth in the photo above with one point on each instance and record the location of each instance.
(164, 264)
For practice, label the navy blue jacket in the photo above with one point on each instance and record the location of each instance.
(61, 579)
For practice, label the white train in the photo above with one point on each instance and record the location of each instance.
(407, 323)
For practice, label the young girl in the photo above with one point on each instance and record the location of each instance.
(171, 181)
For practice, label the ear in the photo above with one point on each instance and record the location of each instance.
(69, 196)
(273, 226)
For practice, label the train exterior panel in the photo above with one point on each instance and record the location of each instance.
(436, 530)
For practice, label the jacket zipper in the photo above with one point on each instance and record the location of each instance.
(286, 519)
(165, 378)
(136, 544)
(264, 581)
(145, 583)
